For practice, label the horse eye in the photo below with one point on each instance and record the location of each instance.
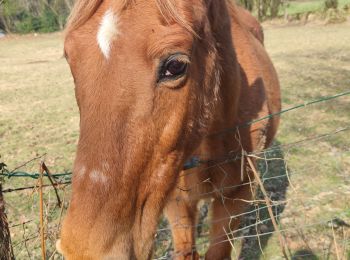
(173, 68)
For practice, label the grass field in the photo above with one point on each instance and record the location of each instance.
(38, 115)
(298, 7)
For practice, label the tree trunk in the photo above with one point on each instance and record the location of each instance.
(275, 6)
(6, 251)
(3, 23)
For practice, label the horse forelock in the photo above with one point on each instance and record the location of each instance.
(83, 10)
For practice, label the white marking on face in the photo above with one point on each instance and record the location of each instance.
(107, 32)
(97, 176)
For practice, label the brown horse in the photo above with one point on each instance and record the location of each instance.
(155, 82)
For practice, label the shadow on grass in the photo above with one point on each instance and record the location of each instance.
(304, 254)
(274, 174)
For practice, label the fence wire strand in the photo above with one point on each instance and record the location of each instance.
(255, 215)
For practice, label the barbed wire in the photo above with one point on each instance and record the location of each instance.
(283, 111)
(258, 235)
(224, 160)
(246, 213)
(64, 179)
(196, 161)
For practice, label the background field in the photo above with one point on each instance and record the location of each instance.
(38, 115)
(299, 7)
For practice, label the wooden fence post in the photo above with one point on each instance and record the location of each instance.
(6, 251)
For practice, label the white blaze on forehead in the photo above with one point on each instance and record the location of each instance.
(107, 32)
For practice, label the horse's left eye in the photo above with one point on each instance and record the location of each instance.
(173, 68)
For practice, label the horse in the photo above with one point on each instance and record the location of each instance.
(159, 83)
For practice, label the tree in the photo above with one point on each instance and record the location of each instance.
(23, 16)
(263, 8)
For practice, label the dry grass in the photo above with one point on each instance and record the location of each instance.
(37, 104)
(39, 115)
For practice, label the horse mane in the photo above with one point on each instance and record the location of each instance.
(83, 10)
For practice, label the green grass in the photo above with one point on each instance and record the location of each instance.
(300, 7)
(303, 7)
(313, 62)
(39, 115)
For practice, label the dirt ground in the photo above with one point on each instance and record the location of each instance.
(308, 181)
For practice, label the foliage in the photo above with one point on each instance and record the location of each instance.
(263, 8)
(328, 4)
(23, 16)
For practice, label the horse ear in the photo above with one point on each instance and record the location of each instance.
(218, 15)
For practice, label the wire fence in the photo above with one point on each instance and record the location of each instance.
(279, 212)
(195, 161)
